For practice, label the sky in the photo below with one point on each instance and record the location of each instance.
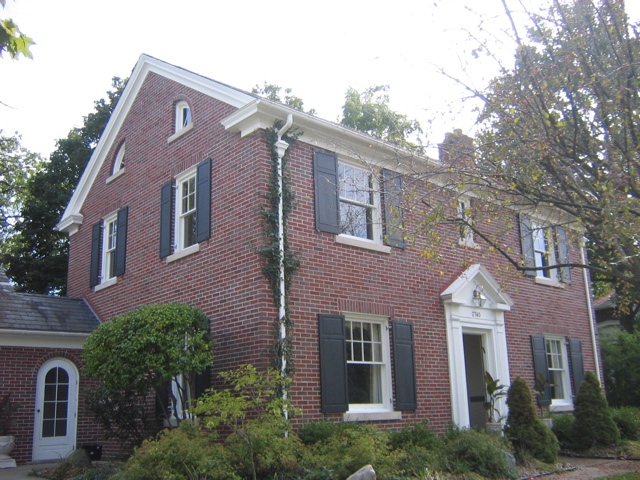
(318, 49)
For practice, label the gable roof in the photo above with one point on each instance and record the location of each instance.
(43, 313)
(72, 218)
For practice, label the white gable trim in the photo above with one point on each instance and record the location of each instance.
(72, 219)
(42, 339)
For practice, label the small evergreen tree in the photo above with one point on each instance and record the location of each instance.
(593, 424)
(524, 429)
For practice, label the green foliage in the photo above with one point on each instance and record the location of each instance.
(253, 412)
(621, 366)
(628, 422)
(36, 256)
(348, 450)
(177, 454)
(563, 429)
(495, 391)
(466, 451)
(418, 434)
(594, 425)
(17, 165)
(368, 111)
(527, 433)
(146, 348)
(12, 40)
(272, 92)
(123, 414)
(313, 432)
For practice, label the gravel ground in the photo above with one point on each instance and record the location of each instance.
(589, 468)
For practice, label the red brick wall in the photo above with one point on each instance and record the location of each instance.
(224, 278)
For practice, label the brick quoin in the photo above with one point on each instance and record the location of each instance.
(225, 280)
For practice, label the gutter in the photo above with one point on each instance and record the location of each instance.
(281, 147)
(587, 294)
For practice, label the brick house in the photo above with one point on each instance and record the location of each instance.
(169, 210)
(41, 341)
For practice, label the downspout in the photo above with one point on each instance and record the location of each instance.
(281, 147)
(587, 295)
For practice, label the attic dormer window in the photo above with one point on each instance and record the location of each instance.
(183, 116)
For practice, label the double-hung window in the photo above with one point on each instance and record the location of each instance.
(557, 360)
(360, 206)
(355, 364)
(544, 247)
(185, 211)
(464, 214)
(108, 248)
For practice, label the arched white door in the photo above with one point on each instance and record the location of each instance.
(54, 435)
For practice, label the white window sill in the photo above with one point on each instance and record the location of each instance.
(362, 243)
(179, 133)
(373, 416)
(562, 408)
(183, 253)
(115, 175)
(550, 282)
(103, 285)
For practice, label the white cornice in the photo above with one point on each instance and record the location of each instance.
(42, 339)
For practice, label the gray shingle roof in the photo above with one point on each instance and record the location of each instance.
(28, 311)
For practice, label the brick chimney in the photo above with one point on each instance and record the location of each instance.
(456, 150)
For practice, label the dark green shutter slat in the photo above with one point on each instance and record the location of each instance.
(526, 239)
(393, 212)
(166, 213)
(540, 366)
(327, 204)
(404, 366)
(563, 254)
(121, 242)
(94, 269)
(577, 367)
(203, 201)
(333, 364)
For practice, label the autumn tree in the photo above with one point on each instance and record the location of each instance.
(36, 255)
(559, 138)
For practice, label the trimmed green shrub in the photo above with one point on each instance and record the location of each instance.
(178, 454)
(470, 451)
(563, 429)
(314, 432)
(527, 433)
(594, 425)
(628, 421)
(418, 434)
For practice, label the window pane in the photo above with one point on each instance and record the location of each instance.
(49, 410)
(364, 383)
(189, 232)
(355, 221)
(49, 393)
(557, 389)
(52, 376)
(48, 428)
(61, 428)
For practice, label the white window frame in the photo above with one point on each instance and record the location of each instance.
(184, 117)
(544, 248)
(386, 405)
(178, 214)
(562, 355)
(465, 238)
(109, 245)
(118, 164)
(374, 207)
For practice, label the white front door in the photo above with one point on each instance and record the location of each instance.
(54, 435)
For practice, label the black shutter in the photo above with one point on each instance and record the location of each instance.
(333, 364)
(162, 402)
(393, 212)
(577, 367)
(203, 201)
(202, 382)
(96, 232)
(526, 239)
(540, 366)
(121, 242)
(563, 254)
(404, 366)
(166, 207)
(325, 175)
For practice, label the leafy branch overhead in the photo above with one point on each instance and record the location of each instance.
(12, 40)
